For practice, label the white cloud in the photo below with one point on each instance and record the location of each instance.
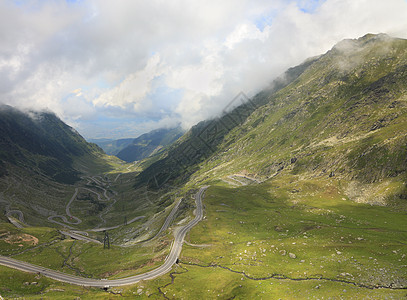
(245, 31)
(128, 57)
(133, 89)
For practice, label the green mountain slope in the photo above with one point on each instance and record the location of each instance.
(41, 158)
(149, 143)
(345, 115)
(342, 114)
(41, 142)
(183, 158)
(112, 147)
(133, 149)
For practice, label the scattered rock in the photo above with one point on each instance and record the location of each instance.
(283, 252)
(292, 255)
(278, 228)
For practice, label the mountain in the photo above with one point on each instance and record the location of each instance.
(188, 153)
(341, 114)
(345, 116)
(112, 147)
(42, 143)
(148, 143)
(132, 149)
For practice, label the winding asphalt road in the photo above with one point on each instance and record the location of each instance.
(75, 220)
(117, 226)
(170, 260)
(168, 220)
(20, 217)
(68, 212)
(232, 177)
(247, 177)
(80, 237)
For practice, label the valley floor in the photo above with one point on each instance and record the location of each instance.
(287, 238)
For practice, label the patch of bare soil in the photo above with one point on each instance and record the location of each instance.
(21, 238)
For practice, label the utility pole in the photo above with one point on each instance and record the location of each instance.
(106, 242)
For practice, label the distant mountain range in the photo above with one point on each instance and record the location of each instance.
(141, 147)
(111, 146)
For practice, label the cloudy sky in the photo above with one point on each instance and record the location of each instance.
(120, 68)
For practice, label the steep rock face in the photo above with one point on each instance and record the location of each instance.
(41, 142)
(341, 114)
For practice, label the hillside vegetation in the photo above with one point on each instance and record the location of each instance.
(112, 147)
(344, 116)
(340, 115)
(149, 143)
(41, 142)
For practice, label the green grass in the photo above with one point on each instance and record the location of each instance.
(16, 284)
(342, 248)
(216, 283)
(88, 259)
(11, 242)
(338, 244)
